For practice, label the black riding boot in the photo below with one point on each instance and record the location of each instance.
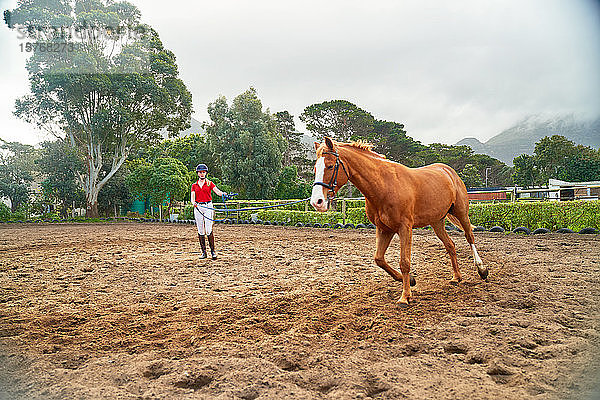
(202, 245)
(211, 243)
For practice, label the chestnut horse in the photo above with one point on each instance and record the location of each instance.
(397, 199)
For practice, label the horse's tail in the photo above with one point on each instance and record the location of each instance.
(454, 221)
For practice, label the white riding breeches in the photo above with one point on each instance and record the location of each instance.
(204, 217)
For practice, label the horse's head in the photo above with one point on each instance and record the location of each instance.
(330, 175)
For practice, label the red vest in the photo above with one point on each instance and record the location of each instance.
(204, 193)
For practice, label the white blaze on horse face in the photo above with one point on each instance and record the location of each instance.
(318, 199)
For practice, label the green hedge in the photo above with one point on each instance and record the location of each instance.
(551, 215)
(265, 203)
(293, 217)
(350, 204)
(357, 216)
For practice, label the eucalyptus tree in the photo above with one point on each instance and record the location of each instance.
(100, 79)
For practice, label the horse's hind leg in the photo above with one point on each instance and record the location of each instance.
(440, 230)
(462, 215)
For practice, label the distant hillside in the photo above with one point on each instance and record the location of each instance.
(521, 138)
(195, 128)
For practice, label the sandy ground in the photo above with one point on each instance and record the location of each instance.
(128, 311)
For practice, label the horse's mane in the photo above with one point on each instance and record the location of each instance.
(362, 145)
(357, 144)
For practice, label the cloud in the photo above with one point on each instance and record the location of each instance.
(445, 69)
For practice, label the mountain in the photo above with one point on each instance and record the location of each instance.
(522, 137)
(195, 128)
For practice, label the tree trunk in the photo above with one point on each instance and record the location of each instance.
(91, 181)
(13, 205)
(92, 210)
(91, 198)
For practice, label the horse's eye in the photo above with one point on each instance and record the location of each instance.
(330, 167)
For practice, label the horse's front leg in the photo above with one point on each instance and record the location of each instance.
(383, 239)
(405, 235)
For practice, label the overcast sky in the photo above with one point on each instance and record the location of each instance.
(445, 69)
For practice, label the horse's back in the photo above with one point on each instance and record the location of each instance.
(442, 171)
(440, 181)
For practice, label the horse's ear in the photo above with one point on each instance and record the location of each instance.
(317, 144)
(329, 143)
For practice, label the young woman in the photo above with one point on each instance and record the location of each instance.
(203, 213)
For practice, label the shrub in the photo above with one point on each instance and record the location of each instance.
(51, 215)
(4, 212)
(188, 212)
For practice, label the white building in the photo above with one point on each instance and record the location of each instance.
(573, 190)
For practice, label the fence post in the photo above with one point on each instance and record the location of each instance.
(306, 206)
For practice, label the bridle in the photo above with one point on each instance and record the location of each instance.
(333, 181)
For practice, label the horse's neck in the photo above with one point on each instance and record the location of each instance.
(367, 172)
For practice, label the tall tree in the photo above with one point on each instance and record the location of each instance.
(109, 87)
(164, 180)
(552, 153)
(559, 158)
(525, 171)
(455, 156)
(584, 166)
(470, 176)
(493, 172)
(391, 139)
(286, 128)
(290, 186)
(191, 151)
(59, 165)
(339, 119)
(247, 144)
(115, 194)
(16, 172)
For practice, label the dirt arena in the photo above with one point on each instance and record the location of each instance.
(128, 311)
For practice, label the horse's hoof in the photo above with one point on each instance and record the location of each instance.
(454, 282)
(483, 272)
(402, 305)
(413, 282)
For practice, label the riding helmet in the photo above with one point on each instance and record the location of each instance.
(201, 167)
